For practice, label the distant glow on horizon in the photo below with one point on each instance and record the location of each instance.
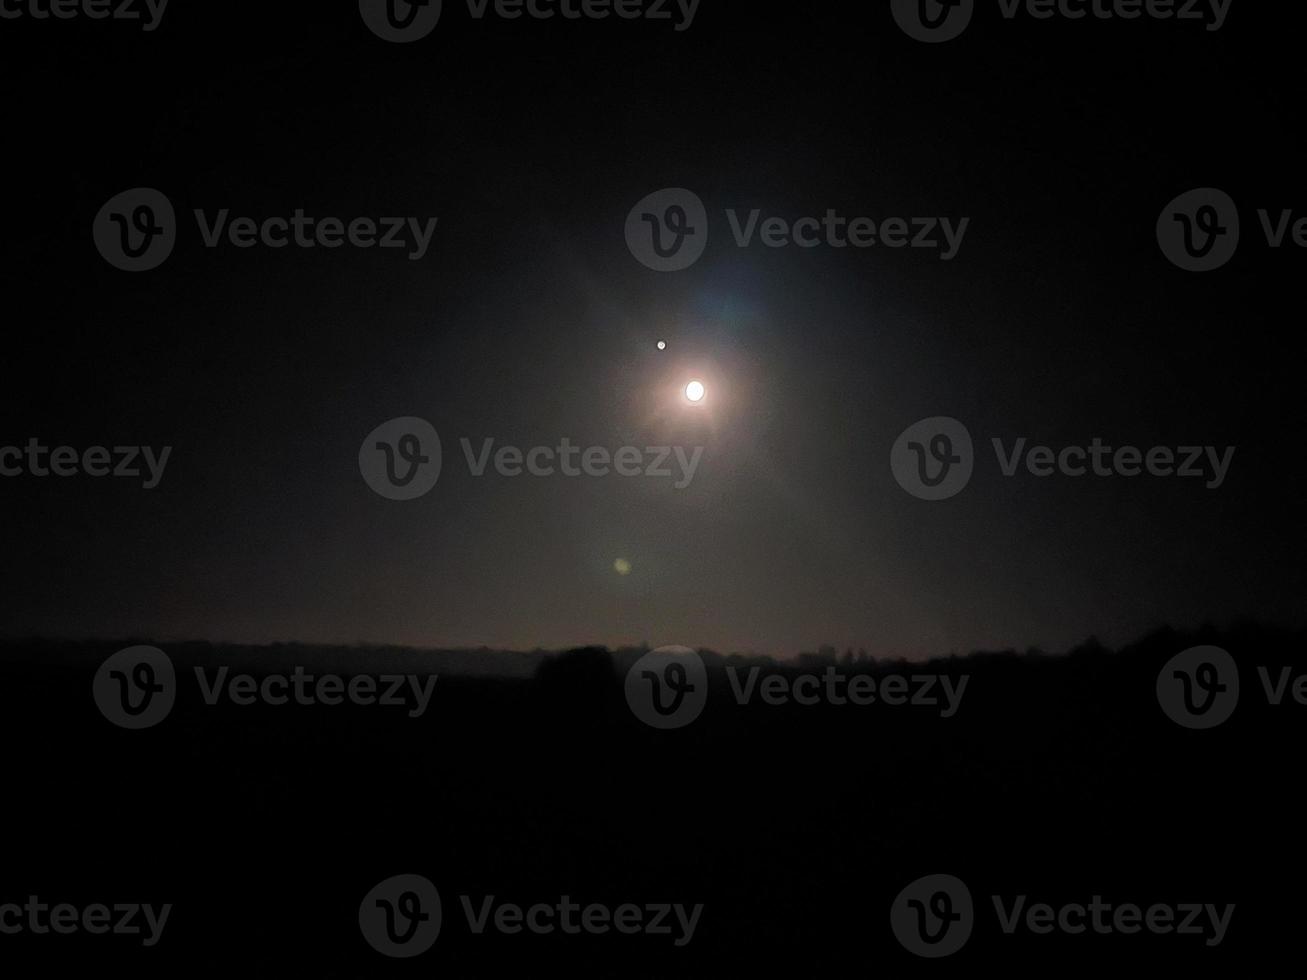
(695, 391)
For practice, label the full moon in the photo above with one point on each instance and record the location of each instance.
(695, 391)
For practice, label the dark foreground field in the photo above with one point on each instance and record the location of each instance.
(1058, 778)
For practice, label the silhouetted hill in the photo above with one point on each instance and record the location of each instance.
(1058, 777)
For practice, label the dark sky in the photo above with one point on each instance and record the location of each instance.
(529, 320)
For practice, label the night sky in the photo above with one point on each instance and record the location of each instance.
(529, 320)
